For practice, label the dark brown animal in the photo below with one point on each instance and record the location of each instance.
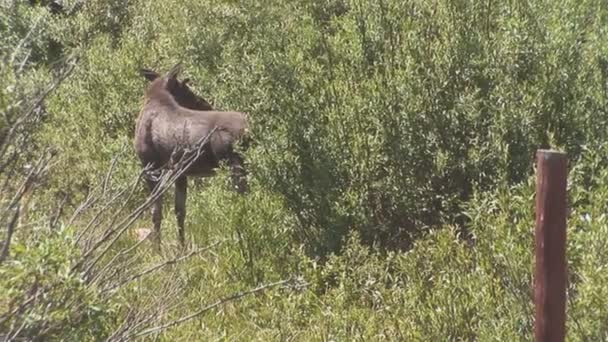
(172, 119)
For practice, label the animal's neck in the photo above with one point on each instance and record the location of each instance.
(161, 97)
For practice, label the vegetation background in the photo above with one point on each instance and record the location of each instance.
(391, 171)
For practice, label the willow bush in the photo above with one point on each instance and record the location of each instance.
(378, 117)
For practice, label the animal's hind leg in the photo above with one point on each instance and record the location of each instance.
(239, 173)
(181, 188)
(157, 212)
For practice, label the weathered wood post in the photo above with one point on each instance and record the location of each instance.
(550, 273)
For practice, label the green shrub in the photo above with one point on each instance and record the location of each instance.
(42, 299)
(378, 117)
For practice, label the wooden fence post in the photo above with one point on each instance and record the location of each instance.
(550, 240)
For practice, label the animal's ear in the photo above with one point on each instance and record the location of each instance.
(150, 75)
(177, 68)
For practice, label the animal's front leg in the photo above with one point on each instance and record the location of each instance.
(157, 211)
(181, 187)
(239, 173)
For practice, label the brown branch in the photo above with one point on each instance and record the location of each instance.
(9, 235)
(95, 221)
(14, 203)
(21, 306)
(89, 201)
(166, 181)
(34, 173)
(106, 180)
(161, 265)
(59, 211)
(147, 312)
(203, 310)
(37, 103)
(123, 252)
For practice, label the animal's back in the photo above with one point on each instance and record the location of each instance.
(161, 130)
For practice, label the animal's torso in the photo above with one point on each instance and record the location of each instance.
(163, 128)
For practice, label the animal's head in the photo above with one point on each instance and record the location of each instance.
(180, 90)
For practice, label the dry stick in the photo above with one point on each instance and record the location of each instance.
(107, 266)
(14, 205)
(209, 307)
(124, 225)
(161, 265)
(121, 227)
(12, 334)
(89, 201)
(116, 214)
(24, 40)
(35, 105)
(127, 222)
(145, 316)
(183, 165)
(9, 235)
(95, 221)
(84, 205)
(21, 306)
(124, 325)
(106, 206)
(158, 191)
(124, 204)
(36, 171)
(123, 252)
(135, 214)
(150, 311)
(23, 62)
(59, 211)
(106, 180)
(10, 160)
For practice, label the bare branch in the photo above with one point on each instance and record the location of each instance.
(9, 234)
(148, 312)
(203, 310)
(88, 202)
(35, 172)
(14, 203)
(36, 104)
(161, 265)
(186, 161)
(59, 211)
(25, 39)
(106, 180)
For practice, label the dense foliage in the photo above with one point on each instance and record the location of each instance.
(391, 164)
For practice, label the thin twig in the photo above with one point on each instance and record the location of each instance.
(161, 265)
(89, 201)
(14, 203)
(106, 180)
(9, 234)
(37, 103)
(210, 307)
(108, 231)
(126, 201)
(34, 173)
(25, 303)
(182, 166)
(95, 221)
(150, 312)
(123, 252)
(59, 211)
(25, 39)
